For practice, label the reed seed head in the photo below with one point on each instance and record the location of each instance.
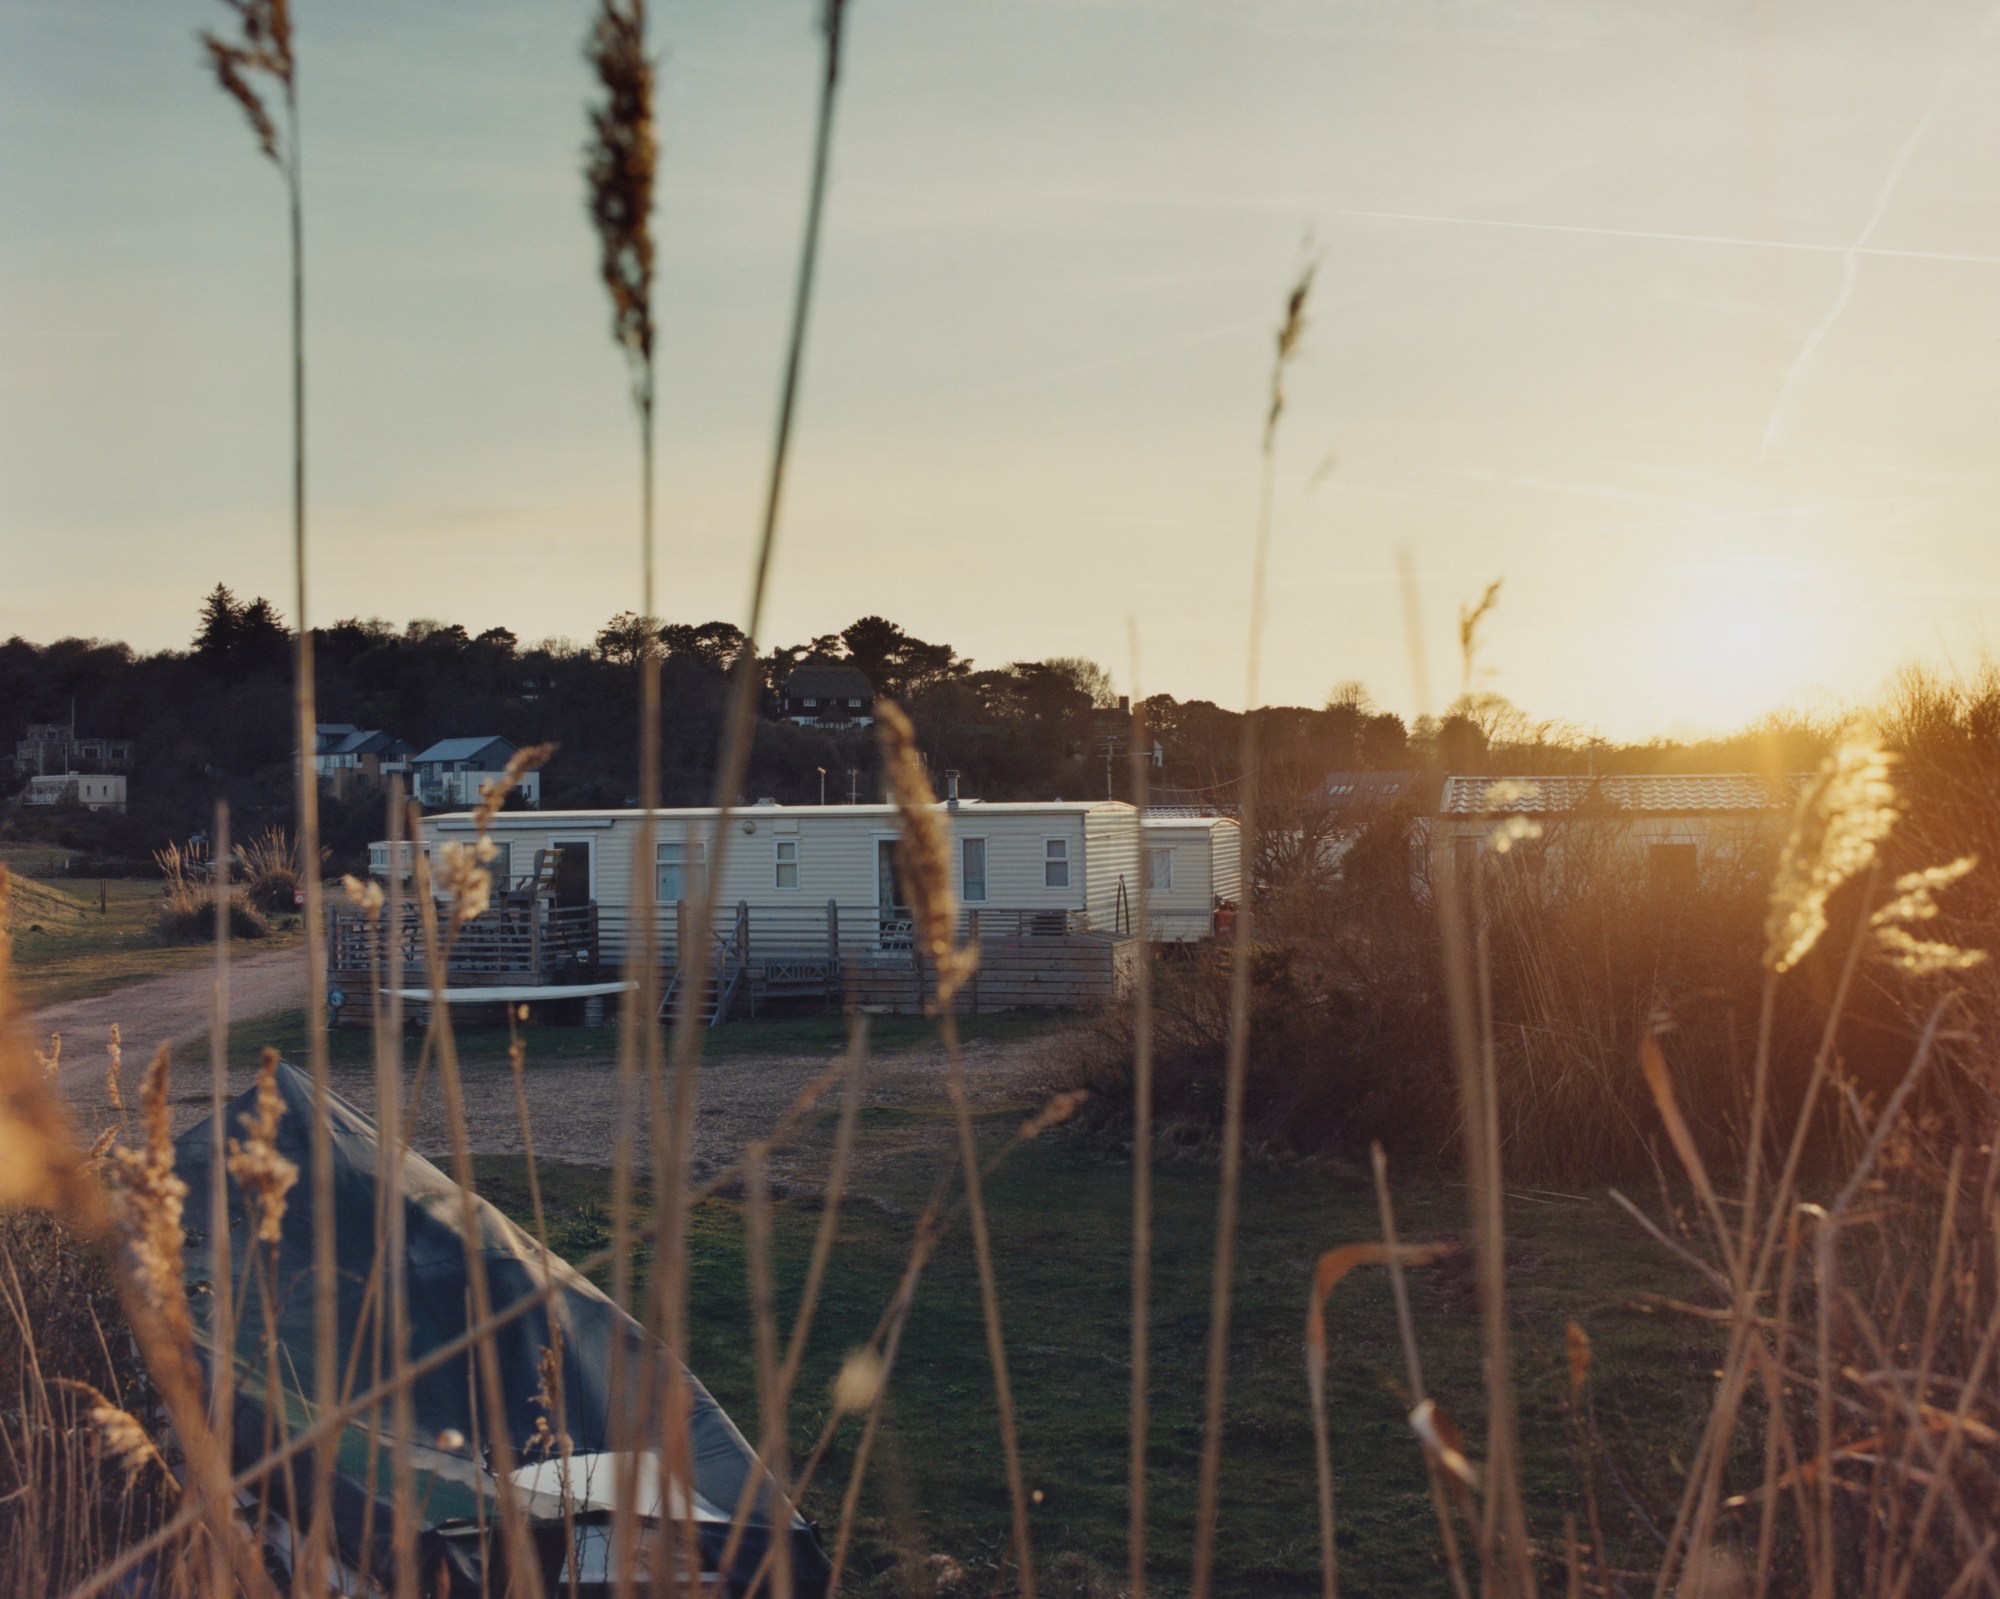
(1842, 818)
(1291, 331)
(265, 1176)
(1058, 1110)
(859, 1381)
(923, 854)
(262, 47)
(115, 1048)
(149, 1197)
(125, 1436)
(618, 168)
(1576, 1344)
(364, 897)
(1916, 901)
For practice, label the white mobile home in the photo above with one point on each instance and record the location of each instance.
(809, 897)
(1193, 863)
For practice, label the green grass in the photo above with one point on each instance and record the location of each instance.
(1060, 1218)
(76, 938)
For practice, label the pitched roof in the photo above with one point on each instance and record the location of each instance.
(1354, 790)
(829, 680)
(463, 749)
(1714, 791)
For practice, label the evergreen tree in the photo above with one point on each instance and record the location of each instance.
(221, 625)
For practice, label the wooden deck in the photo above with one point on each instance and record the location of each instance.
(759, 957)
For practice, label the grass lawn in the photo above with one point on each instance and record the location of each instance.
(1060, 1216)
(75, 938)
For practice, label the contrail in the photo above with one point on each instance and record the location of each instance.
(1849, 259)
(1734, 241)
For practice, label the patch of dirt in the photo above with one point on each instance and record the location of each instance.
(574, 1115)
(169, 1009)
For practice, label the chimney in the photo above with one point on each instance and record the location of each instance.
(951, 790)
(1124, 704)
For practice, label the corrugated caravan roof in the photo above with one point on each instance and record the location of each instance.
(1718, 791)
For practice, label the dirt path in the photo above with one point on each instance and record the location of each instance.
(172, 1009)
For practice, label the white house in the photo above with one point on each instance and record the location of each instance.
(97, 791)
(1193, 863)
(451, 771)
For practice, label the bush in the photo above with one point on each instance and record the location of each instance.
(195, 923)
(187, 910)
(269, 864)
(1349, 1037)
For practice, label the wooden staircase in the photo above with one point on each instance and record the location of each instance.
(716, 999)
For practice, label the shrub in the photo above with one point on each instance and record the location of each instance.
(187, 909)
(269, 866)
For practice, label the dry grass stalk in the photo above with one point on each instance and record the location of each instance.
(485, 1365)
(672, 1154)
(923, 856)
(619, 168)
(1208, 1492)
(1332, 1267)
(1139, 1402)
(260, 58)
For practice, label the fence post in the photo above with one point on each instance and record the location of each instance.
(680, 929)
(972, 939)
(742, 932)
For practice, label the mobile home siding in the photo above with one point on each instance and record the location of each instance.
(837, 855)
(1207, 854)
(1111, 866)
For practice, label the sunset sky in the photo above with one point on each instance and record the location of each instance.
(1683, 316)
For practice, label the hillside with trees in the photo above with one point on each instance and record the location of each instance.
(213, 721)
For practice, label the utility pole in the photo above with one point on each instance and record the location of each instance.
(853, 785)
(822, 783)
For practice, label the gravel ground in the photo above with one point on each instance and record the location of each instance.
(574, 1115)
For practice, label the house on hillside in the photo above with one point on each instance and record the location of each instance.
(811, 901)
(96, 791)
(56, 748)
(349, 758)
(451, 771)
(1677, 829)
(830, 694)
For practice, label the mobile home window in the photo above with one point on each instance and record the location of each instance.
(972, 870)
(1159, 871)
(1055, 863)
(674, 860)
(787, 863)
(502, 864)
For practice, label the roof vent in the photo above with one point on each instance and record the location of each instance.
(951, 790)
(767, 802)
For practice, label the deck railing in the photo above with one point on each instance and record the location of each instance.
(537, 942)
(760, 934)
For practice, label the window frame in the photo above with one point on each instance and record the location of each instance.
(1154, 854)
(985, 894)
(1051, 860)
(779, 863)
(681, 864)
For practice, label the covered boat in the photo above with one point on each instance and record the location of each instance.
(460, 1546)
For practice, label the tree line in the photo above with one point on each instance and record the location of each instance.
(212, 720)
